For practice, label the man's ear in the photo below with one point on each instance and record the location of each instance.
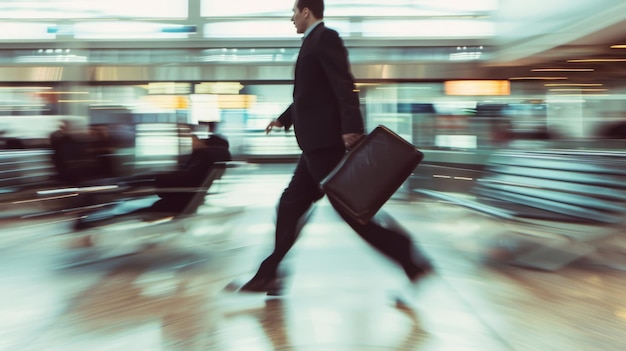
(306, 12)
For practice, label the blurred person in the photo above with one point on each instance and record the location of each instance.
(65, 149)
(501, 133)
(327, 120)
(192, 174)
(175, 189)
(101, 149)
(215, 139)
(616, 130)
(81, 156)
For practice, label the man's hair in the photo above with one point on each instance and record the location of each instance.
(315, 6)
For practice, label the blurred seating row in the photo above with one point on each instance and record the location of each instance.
(567, 201)
(21, 168)
(70, 178)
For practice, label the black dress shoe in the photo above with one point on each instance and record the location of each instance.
(273, 286)
(420, 273)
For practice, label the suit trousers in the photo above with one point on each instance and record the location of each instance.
(382, 232)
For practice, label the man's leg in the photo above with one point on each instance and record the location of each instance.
(387, 236)
(292, 213)
(382, 232)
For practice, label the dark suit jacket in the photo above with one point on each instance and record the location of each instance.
(325, 102)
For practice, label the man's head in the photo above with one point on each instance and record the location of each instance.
(307, 12)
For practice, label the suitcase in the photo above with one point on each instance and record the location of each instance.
(370, 173)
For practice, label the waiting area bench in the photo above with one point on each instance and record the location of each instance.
(134, 223)
(155, 208)
(569, 201)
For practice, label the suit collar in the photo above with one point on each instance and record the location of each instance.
(308, 31)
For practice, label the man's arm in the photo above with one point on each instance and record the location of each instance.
(284, 120)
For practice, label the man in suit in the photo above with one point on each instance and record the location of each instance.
(326, 117)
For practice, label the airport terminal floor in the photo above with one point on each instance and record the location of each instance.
(60, 292)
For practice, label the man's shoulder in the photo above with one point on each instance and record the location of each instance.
(216, 140)
(324, 31)
(325, 37)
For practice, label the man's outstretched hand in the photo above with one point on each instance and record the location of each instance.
(273, 124)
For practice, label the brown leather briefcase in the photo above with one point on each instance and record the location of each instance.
(370, 173)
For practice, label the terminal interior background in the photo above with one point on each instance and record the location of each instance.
(460, 79)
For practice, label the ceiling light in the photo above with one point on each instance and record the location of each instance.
(24, 88)
(563, 70)
(574, 84)
(579, 90)
(538, 78)
(619, 46)
(598, 60)
(465, 56)
(61, 92)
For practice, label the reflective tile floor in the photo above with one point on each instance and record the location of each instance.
(57, 295)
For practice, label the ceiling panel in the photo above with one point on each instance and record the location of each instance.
(531, 33)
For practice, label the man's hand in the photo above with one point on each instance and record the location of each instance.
(351, 139)
(271, 126)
